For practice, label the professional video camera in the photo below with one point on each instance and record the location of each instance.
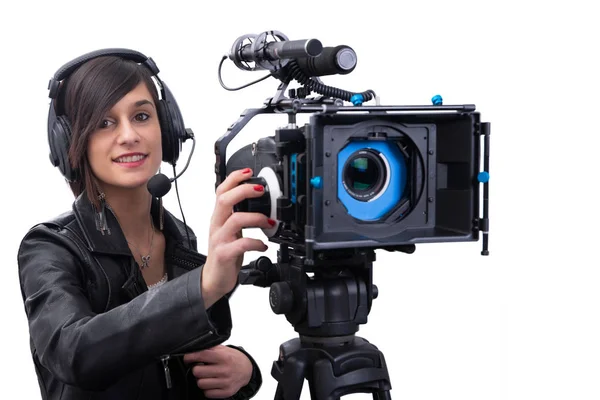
(356, 178)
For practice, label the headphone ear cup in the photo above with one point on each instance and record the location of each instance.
(60, 141)
(167, 135)
(176, 128)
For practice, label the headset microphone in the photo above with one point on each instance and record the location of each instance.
(159, 185)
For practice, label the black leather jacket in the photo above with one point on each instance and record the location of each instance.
(96, 331)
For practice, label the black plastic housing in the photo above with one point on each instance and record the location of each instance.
(443, 169)
(446, 149)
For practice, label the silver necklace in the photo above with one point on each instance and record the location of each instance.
(145, 258)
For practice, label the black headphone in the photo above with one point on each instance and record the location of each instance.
(59, 129)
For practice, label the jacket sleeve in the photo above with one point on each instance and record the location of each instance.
(250, 390)
(92, 351)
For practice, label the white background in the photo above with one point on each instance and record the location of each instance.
(522, 323)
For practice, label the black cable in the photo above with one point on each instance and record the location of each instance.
(241, 87)
(181, 209)
(295, 72)
(316, 86)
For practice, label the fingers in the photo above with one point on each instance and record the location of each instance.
(240, 220)
(193, 357)
(208, 372)
(226, 201)
(211, 355)
(219, 393)
(223, 373)
(237, 248)
(243, 245)
(233, 180)
(210, 383)
(218, 388)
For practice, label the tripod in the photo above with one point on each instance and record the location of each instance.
(326, 311)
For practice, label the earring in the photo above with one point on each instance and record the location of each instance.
(100, 217)
(161, 210)
(161, 213)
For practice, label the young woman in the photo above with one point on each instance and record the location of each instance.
(120, 305)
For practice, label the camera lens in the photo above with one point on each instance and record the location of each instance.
(362, 174)
(365, 174)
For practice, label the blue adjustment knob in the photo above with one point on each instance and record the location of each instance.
(483, 177)
(316, 182)
(357, 99)
(436, 100)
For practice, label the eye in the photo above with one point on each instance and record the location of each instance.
(105, 124)
(140, 117)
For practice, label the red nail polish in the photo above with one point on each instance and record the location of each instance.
(259, 188)
(271, 222)
(246, 171)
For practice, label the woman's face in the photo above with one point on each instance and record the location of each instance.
(126, 151)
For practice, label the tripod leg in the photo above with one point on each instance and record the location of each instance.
(383, 395)
(315, 394)
(279, 392)
(290, 379)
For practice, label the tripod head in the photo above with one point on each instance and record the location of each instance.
(329, 298)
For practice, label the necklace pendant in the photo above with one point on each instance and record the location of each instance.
(145, 261)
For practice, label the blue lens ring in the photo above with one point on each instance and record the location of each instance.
(391, 193)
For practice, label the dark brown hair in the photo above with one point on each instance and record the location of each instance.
(86, 97)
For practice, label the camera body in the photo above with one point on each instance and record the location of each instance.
(357, 176)
(382, 178)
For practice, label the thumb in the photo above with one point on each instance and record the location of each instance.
(203, 356)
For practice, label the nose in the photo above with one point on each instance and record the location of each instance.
(127, 134)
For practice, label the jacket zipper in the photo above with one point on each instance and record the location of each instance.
(187, 263)
(165, 363)
(165, 359)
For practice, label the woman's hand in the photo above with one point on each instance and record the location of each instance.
(222, 370)
(226, 246)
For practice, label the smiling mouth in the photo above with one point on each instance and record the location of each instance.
(130, 159)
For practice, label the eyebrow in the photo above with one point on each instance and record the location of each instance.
(140, 103)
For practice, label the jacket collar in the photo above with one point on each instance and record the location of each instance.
(113, 240)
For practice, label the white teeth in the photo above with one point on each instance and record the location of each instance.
(127, 159)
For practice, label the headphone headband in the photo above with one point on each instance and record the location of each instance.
(71, 66)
